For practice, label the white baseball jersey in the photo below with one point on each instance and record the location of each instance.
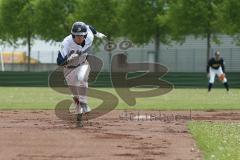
(69, 47)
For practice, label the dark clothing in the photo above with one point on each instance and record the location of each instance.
(209, 86)
(60, 60)
(226, 86)
(215, 64)
(92, 29)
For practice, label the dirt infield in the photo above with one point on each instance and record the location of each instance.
(151, 135)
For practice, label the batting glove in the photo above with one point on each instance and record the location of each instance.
(100, 35)
(73, 56)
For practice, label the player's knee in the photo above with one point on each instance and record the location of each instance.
(211, 81)
(82, 78)
(224, 80)
(83, 82)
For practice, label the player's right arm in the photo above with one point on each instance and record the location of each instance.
(62, 58)
(208, 67)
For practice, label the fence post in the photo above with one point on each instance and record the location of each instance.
(38, 55)
(12, 65)
(2, 60)
(194, 57)
(176, 60)
(231, 59)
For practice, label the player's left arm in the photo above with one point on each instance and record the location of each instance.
(223, 66)
(96, 33)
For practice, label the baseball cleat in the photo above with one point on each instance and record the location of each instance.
(79, 121)
(85, 108)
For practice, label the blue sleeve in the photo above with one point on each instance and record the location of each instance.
(60, 60)
(92, 29)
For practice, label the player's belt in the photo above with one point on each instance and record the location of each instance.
(77, 65)
(74, 66)
(71, 67)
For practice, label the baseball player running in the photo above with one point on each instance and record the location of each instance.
(73, 57)
(216, 67)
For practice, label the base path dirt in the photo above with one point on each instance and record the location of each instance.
(118, 135)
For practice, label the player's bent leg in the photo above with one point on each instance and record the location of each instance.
(83, 100)
(226, 86)
(223, 78)
(74, 108)
(82, 77)
(79, 121)
(225, 83)
(210, 86)
(76, 100)
(211, 80)
(85, 107)
(83, 74)
(85, 110)
(72, 82)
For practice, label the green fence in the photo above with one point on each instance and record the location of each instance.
(187, 80)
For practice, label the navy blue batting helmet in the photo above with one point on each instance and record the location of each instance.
(79, 29)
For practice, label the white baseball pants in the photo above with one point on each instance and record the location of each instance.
(77, 80)
(213, 72)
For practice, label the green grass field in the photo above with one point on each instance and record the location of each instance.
(218, 141)
(177, 99)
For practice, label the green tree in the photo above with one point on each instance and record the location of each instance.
(230, 18)
(101, 14)
(54, 18)
(144, 20)
(200, 18)
(17, 22)
(2, 32)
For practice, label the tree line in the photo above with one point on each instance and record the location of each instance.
(141, 21)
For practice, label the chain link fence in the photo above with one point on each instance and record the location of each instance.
(188, 60)
(176, 60)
